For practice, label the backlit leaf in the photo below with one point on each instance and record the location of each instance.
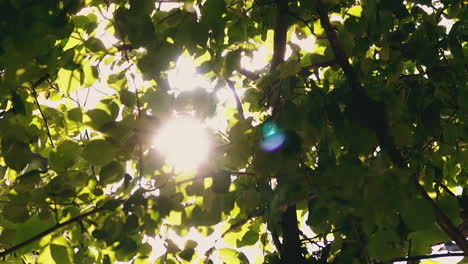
(99, 152)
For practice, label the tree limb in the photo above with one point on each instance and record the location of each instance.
(373, 114)
(240, 110)
(49, 231)
(410, 258)
(305, 22)
(250, 75)
(290, 251)
(281, 29)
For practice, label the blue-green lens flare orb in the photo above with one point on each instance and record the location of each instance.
(272, 137)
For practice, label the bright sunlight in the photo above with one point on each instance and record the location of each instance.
(184, 142)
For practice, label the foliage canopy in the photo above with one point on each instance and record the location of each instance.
(373, 119)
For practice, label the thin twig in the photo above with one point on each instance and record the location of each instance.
(140, 158)
(119, 31)
(124, 46)
(169, 16)
(240, 110)
(311, 239)
(305, 22)
(34, 93)
(240, 172)
(447, 190)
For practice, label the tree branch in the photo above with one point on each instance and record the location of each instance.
(169, 16)
(411, 258)
(236, 98)
(290, 251)
(250, 75)
(373, 114)
(338, 50)
(306, 23)
(281, 29)
(49, 231)
(140, 157)
(34, 93)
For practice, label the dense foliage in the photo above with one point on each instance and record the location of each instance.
(374, 123)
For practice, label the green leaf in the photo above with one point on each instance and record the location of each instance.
(429, 261)
(384, 245)
(91, 75)
(126, 249)
(117, 81)
(106, 260)
(187, 254)
(131, 223)
(99, 152)
(160, 102)
(289, 68)
(68, 80)
(142, 6)
(231, 256)
(28, 181)
(355, 11)
(212, 11)
(421, 218)
(95, 45)
(111, 108)
(221, 182)
(127, 98)
(98, 119)
(74, 114)
(249, 239)
(15, 213)
(65, 156)
(59, 254)
(99, 234)
(423, 240)
(111, 173)
(16, 154)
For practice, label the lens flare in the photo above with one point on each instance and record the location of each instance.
(273, 137)
(184, 142)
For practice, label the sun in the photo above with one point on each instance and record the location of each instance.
(184, 142)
